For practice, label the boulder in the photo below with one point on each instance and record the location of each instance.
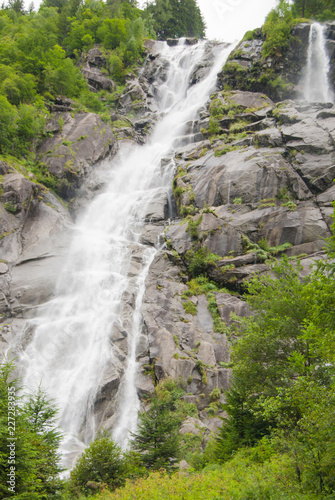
(228, 304)
(70, 154)
(96, 79)
(19, 192)
(193, 426)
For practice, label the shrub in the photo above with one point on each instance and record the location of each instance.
(101, 463)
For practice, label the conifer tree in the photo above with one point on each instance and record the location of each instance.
(157, 434)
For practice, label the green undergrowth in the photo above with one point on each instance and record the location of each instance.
(277, 38)
(203, 286)
(198, 261)
(187, 207)
(263, 251)
(252, 475)
(41, 175)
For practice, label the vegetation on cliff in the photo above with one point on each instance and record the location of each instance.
(41, 54)
(277, 440)
(40, 57)
(274, 52)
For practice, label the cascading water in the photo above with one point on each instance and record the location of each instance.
(72, 345)
(316, 82)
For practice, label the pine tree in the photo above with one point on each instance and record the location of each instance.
(157, 435)
(30, 428)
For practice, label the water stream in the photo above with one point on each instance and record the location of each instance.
(72, 345)
(316, 81)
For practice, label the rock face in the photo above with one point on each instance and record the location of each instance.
(247, 69)
(91, 71)
(262, 180)
(69, 154)
(272, 187)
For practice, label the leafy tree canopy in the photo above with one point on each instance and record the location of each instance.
(177, 18)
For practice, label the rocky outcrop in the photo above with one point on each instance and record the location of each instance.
(80, 142)
(91, 70)
(33, 242)
(180, 344)
(280, 76)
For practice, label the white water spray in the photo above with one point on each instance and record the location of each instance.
(316, 83)
(72, 347)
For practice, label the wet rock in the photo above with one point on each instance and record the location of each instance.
(61, 104)
(3, 268)
(191, 41)
(18, 192)
(158, 208)
(96, 58)
(172, 42)
(250, 175)
(254, 100)
(270, 137)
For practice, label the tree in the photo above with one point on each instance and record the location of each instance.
(321, 10)
(61, 76)
(157, 434)
(101, 463)
(34, 455)
(177, 18)
(277, 29)
(7, 123)
(289, 336)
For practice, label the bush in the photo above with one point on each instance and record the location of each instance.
(101, 463)
(200, 261)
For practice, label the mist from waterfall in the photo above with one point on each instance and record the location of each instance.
(316, 81)
(72, 347)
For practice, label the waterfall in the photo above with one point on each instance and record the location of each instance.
(73, 346)
(316, 82)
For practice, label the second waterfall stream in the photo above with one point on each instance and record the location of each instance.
(72, 346)
(316, 81)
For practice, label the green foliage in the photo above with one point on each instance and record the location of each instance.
(215, 395)
(157, 436)
(192, 227)
(199, 261)
(36, 441)
(273, 250)
(277, 29)
(257, 474)
(283, 375)
(177, 18)
(321, 10)
(102, 463)
(190, 308)
(38, 55)
(60, 74)
(290, 205)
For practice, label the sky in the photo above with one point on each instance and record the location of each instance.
(228, 20)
